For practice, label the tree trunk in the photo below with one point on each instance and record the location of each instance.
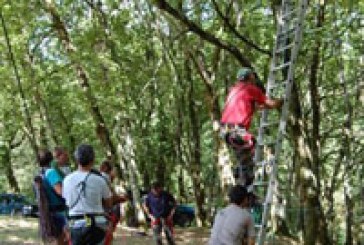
(9, 172)
(101, 128)
(134, 176)
(25, 108)
(221, 157)
(315, 227)
(195, 167)
(347, 154)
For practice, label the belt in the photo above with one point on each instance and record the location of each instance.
(232, 125)
(87, 220)
(83, 216)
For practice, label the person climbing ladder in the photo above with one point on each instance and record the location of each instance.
(244, 98)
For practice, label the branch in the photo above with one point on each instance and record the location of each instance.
(236, 33)
(193, 27)
(16, 144)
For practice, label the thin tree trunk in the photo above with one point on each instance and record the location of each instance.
(315, 149)
(315, 226)
(26, 112)
(101, 128)
(134, 175)
(195, 167)
(347, 133)
(9, 172)
(221, 155)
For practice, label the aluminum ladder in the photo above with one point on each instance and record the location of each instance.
(272, 123)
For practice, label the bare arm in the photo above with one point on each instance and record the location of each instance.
(271, 104)
(58, 188)
(251, 241)
(174, 205)
(107, 203)
(146, 210)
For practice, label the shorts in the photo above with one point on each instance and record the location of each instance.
(59, 221)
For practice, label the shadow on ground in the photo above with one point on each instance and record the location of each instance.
(20, 231)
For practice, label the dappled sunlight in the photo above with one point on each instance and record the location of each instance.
(17, 230)
(185, 236)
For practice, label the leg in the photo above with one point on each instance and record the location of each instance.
(168, 231)
(244, 171)
(157, 231)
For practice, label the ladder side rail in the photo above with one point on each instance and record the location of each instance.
(278, 145)
(271, 79)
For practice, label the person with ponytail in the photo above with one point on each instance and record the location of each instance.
(51, 205)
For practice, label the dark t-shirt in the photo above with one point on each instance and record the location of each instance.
(160, 206)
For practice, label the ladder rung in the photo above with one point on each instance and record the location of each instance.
(258, 226)
(281, 66)
(285, 15)
(261, 164)
(286, 33)
(284, 48)
(266, 125)
(261, 183)
(278, 84)
(266, 143)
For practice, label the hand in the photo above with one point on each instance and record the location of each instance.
(152, 218)
(66, 236)
(170, 217)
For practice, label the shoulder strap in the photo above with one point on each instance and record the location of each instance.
(82, 191)
(45, 182)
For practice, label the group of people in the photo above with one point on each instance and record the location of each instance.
(83, 206)
(79, 207)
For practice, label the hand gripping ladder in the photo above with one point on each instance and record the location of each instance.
(280, 82)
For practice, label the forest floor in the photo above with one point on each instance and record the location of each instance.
(24, 231)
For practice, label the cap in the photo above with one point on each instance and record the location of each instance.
(243, 73)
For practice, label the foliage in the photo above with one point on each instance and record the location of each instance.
(141, 74)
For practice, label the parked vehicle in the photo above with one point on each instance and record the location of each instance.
(11, 204)
(184, 215)
(30, 210)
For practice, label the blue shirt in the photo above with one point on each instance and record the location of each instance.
(52, 178)
(160, 206)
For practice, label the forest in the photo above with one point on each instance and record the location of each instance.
(145, 82)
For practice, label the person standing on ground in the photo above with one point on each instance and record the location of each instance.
(234, 224)
(244, 98)
(51, 182)
(87, 194)
(106, 170)
(160, 206)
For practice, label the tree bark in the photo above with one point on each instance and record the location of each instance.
(9, 172)
(315, 226)
(195, 167)
(347, 154)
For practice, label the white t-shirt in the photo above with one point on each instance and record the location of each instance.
(231, 225)
(90, 201)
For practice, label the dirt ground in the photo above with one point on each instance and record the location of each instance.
(24, 231)
(20, 231)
